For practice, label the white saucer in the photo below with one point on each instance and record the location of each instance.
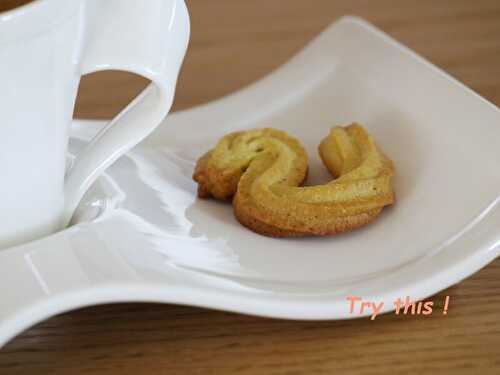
(142, 235)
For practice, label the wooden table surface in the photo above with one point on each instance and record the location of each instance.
(233, 43)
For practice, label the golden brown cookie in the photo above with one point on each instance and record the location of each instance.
(263, 170)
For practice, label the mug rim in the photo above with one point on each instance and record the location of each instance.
(33, 18)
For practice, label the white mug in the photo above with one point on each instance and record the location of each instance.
(45, 47)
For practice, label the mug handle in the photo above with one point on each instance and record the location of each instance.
(147, 39)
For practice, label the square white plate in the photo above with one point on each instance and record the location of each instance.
(153, 240)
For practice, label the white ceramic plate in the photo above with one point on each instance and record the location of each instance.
(143, 236)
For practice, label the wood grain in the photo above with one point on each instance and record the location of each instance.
(11, 4)
(235, 42)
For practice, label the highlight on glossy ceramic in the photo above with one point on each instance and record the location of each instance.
(45, 47)
(142, 235)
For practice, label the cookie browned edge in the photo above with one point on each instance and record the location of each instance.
(343, 224)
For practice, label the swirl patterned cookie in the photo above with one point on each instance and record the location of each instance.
(263, 170)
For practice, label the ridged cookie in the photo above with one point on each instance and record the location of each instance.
(263, 170)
